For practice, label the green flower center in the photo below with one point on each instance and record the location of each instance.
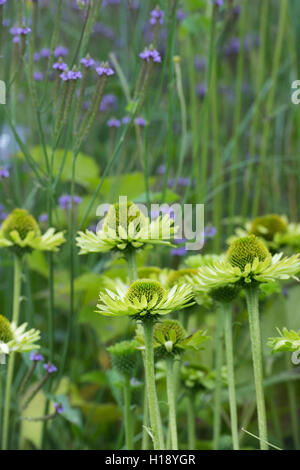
(245, 250)
(121, 215)
(21, 221)
(145, 287)
(177, 276)
(6, 333)
(271, 223)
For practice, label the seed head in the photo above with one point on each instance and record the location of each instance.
(6, 333)
(245, 250)
(268, 225)
(145, 288)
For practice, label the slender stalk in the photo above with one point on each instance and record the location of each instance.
(131, 264)
(230, 374)
(218, 387)
(155, 422)
(191, 422)
(127, 414)
(145, 438)
(11, 363)
(171, 402)
(255, 336)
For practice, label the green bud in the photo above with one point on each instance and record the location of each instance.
(268, 225)
(124, 356)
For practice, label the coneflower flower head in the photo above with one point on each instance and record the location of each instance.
(268, 226)
(20, 232)
(145, 298)
(245, 250)
(6, 333)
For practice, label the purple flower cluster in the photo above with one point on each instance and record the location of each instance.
(201, 90)
(43, 54)
(59, 408)
(104, 30)
(114, 123)
(108, 102)
(36, 357)
(2, 2)
(43, 218)
(104, 69)
(148, 54)
(68, 75)
(18, 31)
(50, 368)
(181, 181)
(4, 173)
(65, 201)
(38, 76)
(161, 169)
(60, 65)
(157, 16)
(87, 62)
(61, 51)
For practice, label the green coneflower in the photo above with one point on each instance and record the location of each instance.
(16, 339)
(288, 340)
(125, 226)
(146, 300)
(20, 233)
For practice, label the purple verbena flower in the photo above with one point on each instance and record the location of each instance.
(104, 69)
(87, 62)
(181, 15)
(50, 368)
(140, 121)
(36, 56)
(65, 201)
(61, 66)
(181, 251)
(108, 102)
(126, 120)
(114, 123)
(201, 90)
(148, 54)
(45, 53)
(43, 218)
(161, 169)
(2, 2)
(68, 75)
(4, 173)
(36, 357)
(59, 408)
(38, 76)
(157, 16)
(61, 51)
(209, 232)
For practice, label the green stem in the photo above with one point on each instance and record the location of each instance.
(155, 422)
(10, 371)
(218, 387)
(191, 422)
(127, 414)
(230, 374)
(131, 264)
(255, 336)
(171, 402)
(145, 438)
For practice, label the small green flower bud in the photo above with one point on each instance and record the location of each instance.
(124, 356)
(167, 335)
(145, 288)
(245, 250)
(6, 333)
(268, 225)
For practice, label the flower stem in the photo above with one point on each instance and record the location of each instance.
(191, 422)
(255, 335)
(131, 264)
(230, 374)
(10, 370)
(218, 388)
(145, 438)
(127, 414)
(171, 402)
(155, 422)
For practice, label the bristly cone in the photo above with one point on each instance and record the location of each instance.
(244, 251)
